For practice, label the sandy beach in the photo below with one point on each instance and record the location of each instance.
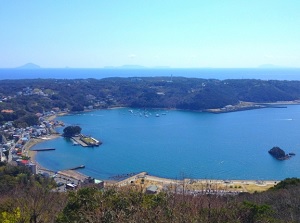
(32, 142)
(144, 180)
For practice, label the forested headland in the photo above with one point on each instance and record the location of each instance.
(20, 100)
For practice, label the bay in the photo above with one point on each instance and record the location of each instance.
(181, 143)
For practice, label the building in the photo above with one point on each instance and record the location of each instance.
(153, 189)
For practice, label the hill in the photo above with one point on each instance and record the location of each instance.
(29, 66)
(34, 198)
(40, 95)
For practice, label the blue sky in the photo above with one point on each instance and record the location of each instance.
(200, 33)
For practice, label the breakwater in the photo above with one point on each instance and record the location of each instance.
(43, 149)
(77, 167)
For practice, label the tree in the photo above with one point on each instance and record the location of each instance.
(77, 108)
(287, 183)
(71, 131)
(81, 206)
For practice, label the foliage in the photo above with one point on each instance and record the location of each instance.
(39, 95)
(27, 198)
(34, 200)
(81, 206)
(77, 108)
(287, 183)
(71, 131)
(256, 212)
(11, 217)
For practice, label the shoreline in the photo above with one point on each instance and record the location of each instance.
(34, 141)
(160, 180)
(198, 185)
(245, 106)
(151, 178)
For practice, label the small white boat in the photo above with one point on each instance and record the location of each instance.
(74, 142)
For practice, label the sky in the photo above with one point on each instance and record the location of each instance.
(151, 33)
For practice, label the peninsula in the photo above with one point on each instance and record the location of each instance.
(75, 95)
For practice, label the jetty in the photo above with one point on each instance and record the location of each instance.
(86, 141)
(77, 167)
(43, 149)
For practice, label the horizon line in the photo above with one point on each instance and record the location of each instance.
(144, 67)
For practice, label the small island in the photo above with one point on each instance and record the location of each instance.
(74, 133)
(279, 154)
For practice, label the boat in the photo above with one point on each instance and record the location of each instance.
(157, 115)
(292, 154)
(74, 143)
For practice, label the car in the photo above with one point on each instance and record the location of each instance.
(59, 184)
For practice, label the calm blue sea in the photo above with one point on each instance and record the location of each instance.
(245, 73)
(182, 143)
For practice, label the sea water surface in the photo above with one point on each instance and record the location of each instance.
(207, 73)
(181, 143)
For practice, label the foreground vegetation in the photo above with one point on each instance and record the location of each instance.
(28, 97)
(28, 198)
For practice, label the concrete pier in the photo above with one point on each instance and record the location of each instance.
(44, 149)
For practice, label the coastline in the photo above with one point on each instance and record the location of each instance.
(72, 174)
(244, 106)
(198, 185)
(259, 185)
(34, 141)
(237, 186)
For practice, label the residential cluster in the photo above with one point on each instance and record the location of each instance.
(13, 140)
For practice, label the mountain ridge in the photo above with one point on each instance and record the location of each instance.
(29, 66)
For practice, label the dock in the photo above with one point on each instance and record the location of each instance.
(43, 149)
(77, 140)
(86, 141)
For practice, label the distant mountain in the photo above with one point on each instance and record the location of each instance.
(29, 66)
